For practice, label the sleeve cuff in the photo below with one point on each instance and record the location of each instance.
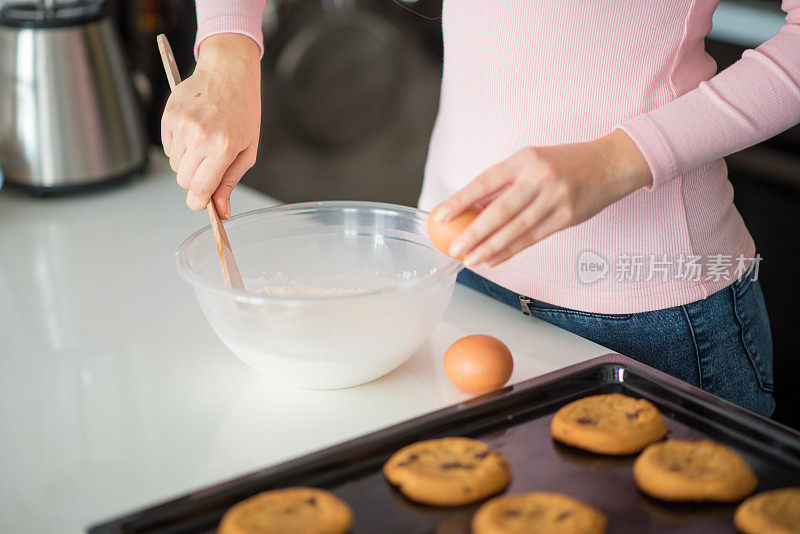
(229, 24)
(656, 151)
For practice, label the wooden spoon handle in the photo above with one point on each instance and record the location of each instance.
(230, 273)
(168, 58)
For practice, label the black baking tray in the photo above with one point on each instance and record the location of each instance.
(515, 420)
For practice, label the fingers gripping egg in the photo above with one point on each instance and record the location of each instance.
(478, 364)
(442, 234)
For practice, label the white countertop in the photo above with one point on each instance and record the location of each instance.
(114, 392)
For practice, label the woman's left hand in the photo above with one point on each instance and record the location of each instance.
(540, 191)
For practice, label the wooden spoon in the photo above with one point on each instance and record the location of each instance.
(230, 273)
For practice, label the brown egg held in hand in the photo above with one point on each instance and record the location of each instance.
(478, 364)
(442, 234)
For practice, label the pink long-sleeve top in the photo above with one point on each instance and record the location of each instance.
(522, 73)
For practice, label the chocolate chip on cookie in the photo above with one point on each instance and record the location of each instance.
(609, 424)
(447, 471)
(538, 512)
(308, 510)
(776, 512)
(677, 470)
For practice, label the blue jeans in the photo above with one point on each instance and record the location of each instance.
(721, 344)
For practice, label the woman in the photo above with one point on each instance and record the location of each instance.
(592, 133)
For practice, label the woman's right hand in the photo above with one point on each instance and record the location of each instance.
(212, 119)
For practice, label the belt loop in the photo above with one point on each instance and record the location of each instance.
(525, 304)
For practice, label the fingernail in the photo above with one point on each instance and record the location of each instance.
(193, 200)
(457, 249)
(473, 260)
(440, 215)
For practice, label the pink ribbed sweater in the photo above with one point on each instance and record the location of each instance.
(531, 73)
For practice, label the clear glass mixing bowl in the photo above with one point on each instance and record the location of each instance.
(339, 293)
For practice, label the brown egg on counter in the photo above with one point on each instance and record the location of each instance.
(478, 364)
(442, 234)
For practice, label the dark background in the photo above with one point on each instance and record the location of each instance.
(766, 182)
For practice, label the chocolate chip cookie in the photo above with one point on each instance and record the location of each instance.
(609, 424)
(677, 470)
(290, 510)
(550, 513)
(447, 471)
(774, 512)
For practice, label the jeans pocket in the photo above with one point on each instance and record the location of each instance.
(743, 283)
(755, 333)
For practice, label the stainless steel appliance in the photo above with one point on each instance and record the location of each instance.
(68, 113)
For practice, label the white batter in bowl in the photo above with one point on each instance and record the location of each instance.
(339, 293)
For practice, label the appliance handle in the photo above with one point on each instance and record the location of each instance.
(48, 9)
